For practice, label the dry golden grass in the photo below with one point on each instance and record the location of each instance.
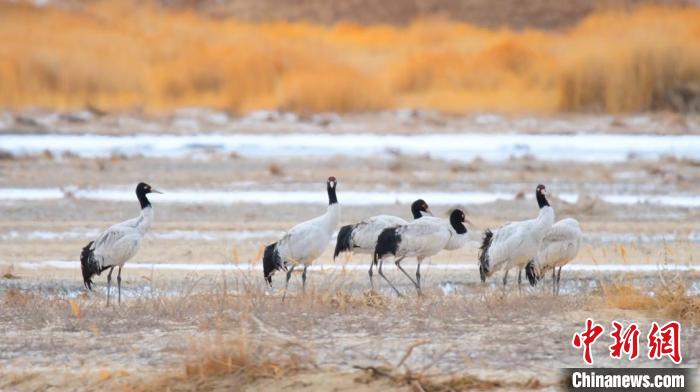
(672, 301)
(124, 55)
(239, 361)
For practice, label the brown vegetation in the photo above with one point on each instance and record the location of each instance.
(115, 56)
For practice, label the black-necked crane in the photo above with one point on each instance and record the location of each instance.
(421, 238)
(558, 248)
(303, 243)
(515, 244)
(362, 237)
(116, 245)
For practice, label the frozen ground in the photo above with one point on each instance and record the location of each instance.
(197, 277)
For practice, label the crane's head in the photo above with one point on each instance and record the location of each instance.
(420, 208)
(331, 182)
(541, 196)
(143, 189)
(457, 219)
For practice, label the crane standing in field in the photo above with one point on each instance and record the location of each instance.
(558, 248)
(421, 238)
(303, 243)
(114, 246)
(362, 237)
(515, 244)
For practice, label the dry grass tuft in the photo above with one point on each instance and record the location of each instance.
(7, 272)
(126, 55)
(672, 301)
(236, 361)
(18, 298)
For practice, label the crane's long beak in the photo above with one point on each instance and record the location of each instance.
(156, 191)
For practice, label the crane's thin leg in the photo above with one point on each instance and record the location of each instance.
(381, 261)
(398, 265)
(505, 278)
(286, 285)
(303, 278)
(371, 280)
(109, 283)
(558, 279)
(119, 284)
(554, 281)
(420, 260)
(520, 280)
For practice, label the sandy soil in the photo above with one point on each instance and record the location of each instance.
(56, 337)
(202, 120)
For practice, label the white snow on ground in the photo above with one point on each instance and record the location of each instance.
(252, 235)
(464, 147)
(202, 235)
(355, 198)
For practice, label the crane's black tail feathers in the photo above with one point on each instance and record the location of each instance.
(271, 262)
(89, 265)
(344, 242)
(387, 242)
(484, 255)
(531, 273)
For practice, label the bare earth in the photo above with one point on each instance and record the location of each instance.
(208, 330)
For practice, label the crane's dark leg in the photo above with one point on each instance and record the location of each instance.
(505, 278)
(119, 284)
(558, 279)
(381, 262)
(109, 283)
(303, 278)
(286, 285)
(398, 265)
(520, 280)
(371, 273)
(420, 260)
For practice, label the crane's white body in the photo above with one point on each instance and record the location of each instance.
(424, 237)
(119, 243)
(365, 233)
(421, 238)
(306, 241)
(560, 245)
(515, 244)
(456, 241)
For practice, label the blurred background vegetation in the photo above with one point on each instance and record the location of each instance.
(539, 56)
